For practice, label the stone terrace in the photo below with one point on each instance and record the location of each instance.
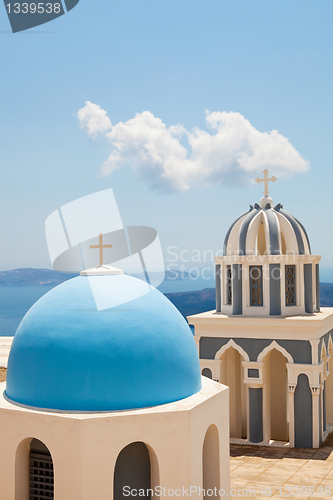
(281, 472)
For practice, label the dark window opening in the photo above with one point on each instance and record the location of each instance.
(41, 472)
(206, 372)
(229, 286)
(256, 292)
(132, 472)
(290, 285)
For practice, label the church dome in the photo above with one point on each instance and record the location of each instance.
(68, 355)
(265, 230)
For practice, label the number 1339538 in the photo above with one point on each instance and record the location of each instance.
(33, 8)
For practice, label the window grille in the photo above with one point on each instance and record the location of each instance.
(290, 285)
(41, 476)
(256, 293)
(229, 286)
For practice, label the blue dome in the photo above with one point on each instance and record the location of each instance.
(67, 355)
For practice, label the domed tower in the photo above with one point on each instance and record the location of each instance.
(267, 267)
(104, 397)
(268, 339)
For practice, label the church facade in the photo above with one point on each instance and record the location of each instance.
(268, 338)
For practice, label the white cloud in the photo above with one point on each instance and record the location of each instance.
(93, 119)
(230, 149)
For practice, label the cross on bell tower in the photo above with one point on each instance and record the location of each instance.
(101, 248)
(265, 180)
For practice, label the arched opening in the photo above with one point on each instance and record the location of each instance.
(211, 462)
(34, 475)
(232, 375)
(132, 472)
(276, 396)
(261, 241)
(206, 372)
(303, 413)
(283, 244)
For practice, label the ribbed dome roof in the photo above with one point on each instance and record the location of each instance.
(265, 230)
(68, 355)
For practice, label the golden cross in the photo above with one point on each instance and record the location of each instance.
(101, 248)
(265, 180)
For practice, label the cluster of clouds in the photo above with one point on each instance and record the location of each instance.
(173, 158)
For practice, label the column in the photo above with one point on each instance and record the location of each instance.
(324, 405)
(315, 390)
(218, 287)
(291, 411)
(317, 288)
(197, 342)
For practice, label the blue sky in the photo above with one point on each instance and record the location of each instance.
(269, 61)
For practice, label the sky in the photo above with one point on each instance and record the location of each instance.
(177, 106)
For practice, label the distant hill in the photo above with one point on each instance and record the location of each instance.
(186, 302)
(28, 276)
(193, 302)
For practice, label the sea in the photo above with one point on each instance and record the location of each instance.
(15, 301)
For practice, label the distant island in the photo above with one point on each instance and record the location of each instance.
(31, 277)
(186, 302)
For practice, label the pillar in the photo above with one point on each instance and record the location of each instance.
(218, 287)
(291, 411)
(315, 390)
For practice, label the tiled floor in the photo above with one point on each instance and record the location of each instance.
(281, 472)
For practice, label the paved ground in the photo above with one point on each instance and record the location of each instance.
(282, 473)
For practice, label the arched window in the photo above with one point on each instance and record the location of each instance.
(132, 472)
(290, 279)
(256, 290)
(34, 476)
(41, 472)
(211, 462)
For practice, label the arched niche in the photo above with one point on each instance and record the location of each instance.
(211, 462)
(137, 469)
(276, 395)
(232, 375)
(34, 473)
